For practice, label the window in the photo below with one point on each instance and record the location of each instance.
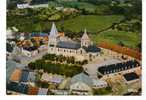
(81, 51)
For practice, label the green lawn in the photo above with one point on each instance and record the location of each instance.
(129, 39)
(102, 91)
(92, 23)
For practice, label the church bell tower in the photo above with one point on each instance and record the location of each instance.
(85, 40)
(53, 36)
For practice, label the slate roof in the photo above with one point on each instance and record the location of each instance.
(39, 34)
(17, 87)
(24, 76)
(32, 76)
(107, 69)
(82, 77)
(131, 76)
(31, 48)
(92, 48)
(9, 47)
(68, 45)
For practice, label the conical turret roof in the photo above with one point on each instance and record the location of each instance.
(85, 36)
(53, 32)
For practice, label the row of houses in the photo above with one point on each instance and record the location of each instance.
(22, 36)
(31, 51)
(21, 88)
(22, 75)
(20, 82)
(80, 84)
(121, 50)
(114, 68)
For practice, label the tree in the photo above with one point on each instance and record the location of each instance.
(121, 43)
(103, 10)
(139, 46)
(102, 91)
(85, 62)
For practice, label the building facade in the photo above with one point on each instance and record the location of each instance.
(64, 46)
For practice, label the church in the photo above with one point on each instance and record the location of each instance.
(62, 45)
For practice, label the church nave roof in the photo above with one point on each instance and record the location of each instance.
(68, 45)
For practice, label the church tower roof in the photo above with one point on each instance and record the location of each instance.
(85, 36)
(53, 32)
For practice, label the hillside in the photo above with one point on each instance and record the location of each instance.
(123, 17)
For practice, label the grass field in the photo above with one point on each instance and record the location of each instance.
(127, 38)
(73, 4)
(92, 23)
(80, 5)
